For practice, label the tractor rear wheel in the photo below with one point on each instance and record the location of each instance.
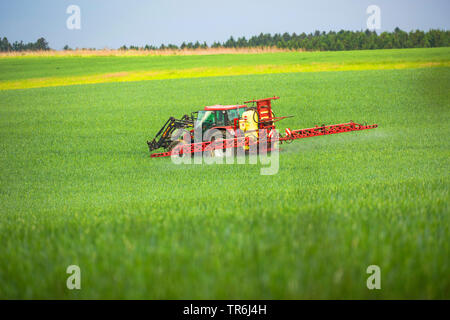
(216, 152)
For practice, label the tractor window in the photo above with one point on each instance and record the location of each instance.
(221, 114)
(241, 111)
(233, 114)
(205, 119)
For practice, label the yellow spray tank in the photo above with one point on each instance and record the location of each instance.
(248, 124)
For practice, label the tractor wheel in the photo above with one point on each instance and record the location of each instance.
(216, 152)
(252, 139)
(175, 144)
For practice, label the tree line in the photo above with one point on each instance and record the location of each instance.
(323, 41)
(40, 44)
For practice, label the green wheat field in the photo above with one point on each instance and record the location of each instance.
(77, 185)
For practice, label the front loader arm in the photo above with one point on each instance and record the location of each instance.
(164, 135)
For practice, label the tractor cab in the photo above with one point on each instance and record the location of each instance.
(219, 116)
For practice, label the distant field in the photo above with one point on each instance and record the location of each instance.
(133, 52)
(77, 185)
(34, 72)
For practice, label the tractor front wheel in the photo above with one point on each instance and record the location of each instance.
(177, 144)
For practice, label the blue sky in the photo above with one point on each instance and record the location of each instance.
(112, 23)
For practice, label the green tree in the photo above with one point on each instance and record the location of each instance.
(42, 44)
